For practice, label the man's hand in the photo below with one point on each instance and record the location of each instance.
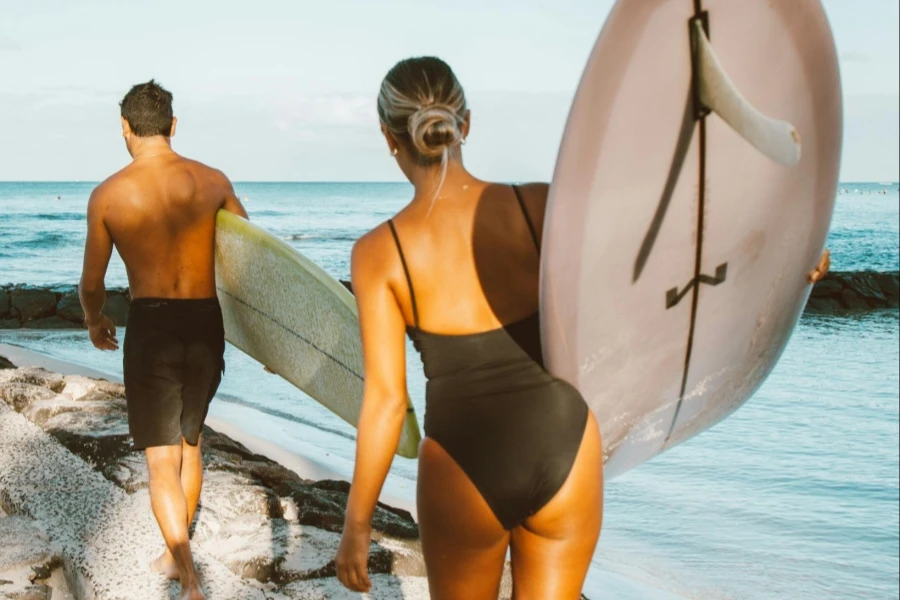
(821, 269)
(353, 557)
(103, 333)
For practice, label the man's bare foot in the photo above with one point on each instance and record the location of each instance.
(192, 592)
(164, 564)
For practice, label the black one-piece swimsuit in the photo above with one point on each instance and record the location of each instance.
(513, 428)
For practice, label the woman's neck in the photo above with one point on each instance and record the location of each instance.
(430, 187)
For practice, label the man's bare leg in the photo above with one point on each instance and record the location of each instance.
(169, 505)
(191, 484)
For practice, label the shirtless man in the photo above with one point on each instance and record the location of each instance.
(160, 214)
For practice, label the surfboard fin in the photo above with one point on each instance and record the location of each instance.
(778, 140)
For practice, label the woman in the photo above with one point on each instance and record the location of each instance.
(512, 456)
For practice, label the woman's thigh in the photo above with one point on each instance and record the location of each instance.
(463, 542)
(552, 550)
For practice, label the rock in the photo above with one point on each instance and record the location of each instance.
(867, 286)
(4, 302)
(116, 307)
(28, 304)
(824, 305)
(5, 364)
(20, 395)
(829, 286)
(69, 308)
(54, 322)
(26, 554)
(10, 324)
(36, 376)
(890, 286)
(853, 301)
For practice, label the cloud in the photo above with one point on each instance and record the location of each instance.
(855, 57)
(9, 45)
(327, 110)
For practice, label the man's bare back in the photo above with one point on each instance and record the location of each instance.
(160, 212)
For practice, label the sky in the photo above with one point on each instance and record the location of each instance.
(284, 90)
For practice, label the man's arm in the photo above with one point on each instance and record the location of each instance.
(91, 290)
(231, 203)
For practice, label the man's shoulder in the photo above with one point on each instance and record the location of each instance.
(203, 169)
(114, 185)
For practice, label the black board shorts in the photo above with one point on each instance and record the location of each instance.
(173, 361)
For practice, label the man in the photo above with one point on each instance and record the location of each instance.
(160, 214)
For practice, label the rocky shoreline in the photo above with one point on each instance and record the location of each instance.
(58, 307)
(74, 506)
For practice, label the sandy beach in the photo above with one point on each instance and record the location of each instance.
(76, 515)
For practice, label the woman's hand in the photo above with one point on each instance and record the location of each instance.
(821, 269)
(353, 557)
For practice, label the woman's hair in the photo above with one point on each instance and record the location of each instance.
(423, 105)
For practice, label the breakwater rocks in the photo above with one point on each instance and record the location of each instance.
(854, 291)
(23, 306)
(54, 307)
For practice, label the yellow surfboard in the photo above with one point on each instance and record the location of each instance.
(286, 312)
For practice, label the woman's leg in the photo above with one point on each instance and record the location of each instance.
(463, 542)
(552, 550)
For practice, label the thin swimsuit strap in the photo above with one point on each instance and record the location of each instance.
(412, 293)
(534, 236)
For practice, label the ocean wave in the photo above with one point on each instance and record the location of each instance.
(337, 237)
(48, 240)
(267, 213)
(66, 216)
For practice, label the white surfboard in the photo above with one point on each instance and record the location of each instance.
(693, 193)
(286, 312)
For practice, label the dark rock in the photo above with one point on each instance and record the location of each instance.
(890, 286)
(829, 286)
(28, 304)
(824, 305)
(10, 324)
(116, 307)
(54, 322)
(5, 364)
(867, 286)
(4, 302)
(69, 308)
(853, 301)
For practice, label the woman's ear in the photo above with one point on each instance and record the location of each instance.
(393, 146)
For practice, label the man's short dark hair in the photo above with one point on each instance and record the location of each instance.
(148, 109)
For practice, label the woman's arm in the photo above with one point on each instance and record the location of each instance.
(384, 403)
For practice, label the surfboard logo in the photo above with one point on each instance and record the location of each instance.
(673, 296)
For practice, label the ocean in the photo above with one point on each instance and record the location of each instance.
(795, 496)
